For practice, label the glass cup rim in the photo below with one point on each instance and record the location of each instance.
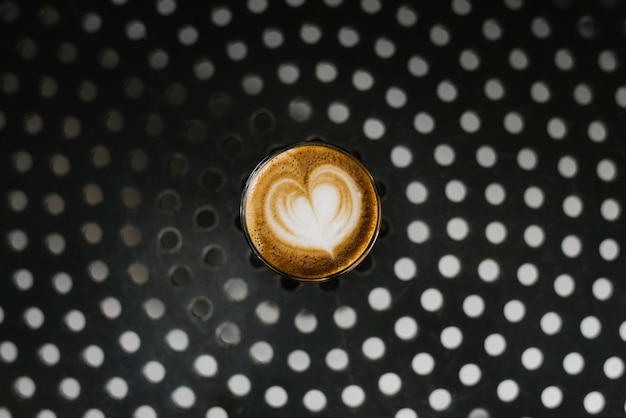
(259, 167)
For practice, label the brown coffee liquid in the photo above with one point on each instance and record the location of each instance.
(311, 212)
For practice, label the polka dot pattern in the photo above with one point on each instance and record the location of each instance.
(128, 134)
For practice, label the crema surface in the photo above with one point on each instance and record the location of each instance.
(311, 212)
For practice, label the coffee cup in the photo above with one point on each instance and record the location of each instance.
(311, 211)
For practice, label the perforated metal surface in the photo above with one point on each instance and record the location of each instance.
(495, 133)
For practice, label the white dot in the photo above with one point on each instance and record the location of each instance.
(572, 206)
(590, 327)
(597, 131)
(495, 194)
(614, 368)
(239, 385)
(299, 360)
(449, 266)
(486, 156)
(395, 97)
(338, 112)
(494, 89)
(571, 246)
(573, 363)
(406, 413)
(610, 209)
(431, 300)
(461, 7)
(470, 122)
(24, 387)
(267, 312)
(534, 236)
(153, 371)
(130, 341)
(496, 232)
(508, 390)
(439, 35)
(345, 317)
(513, 123)
(49, 354)
(44, 413)
(551, 323)
(405, 268)
(379, 299)
(384, 48)
(551, 397)
(470, 374)
(353, 396)
(568, 167)
(373, 348)
(144, 411)
(447, 91)
(117, 388)
(75, 320)
(69, 388)
(423, 364)
(534, 197)
(564, 285)
(417, 66)
(456, 191)
(177, 340)
(216, 412)
(401, 156)
(594, 402)
(423, 123)
(607, 170)
(473, 306)
(34, 317)
(451, 338)
(418, 232)
(261, 352)
(93, 356)
(514, 311)
(444, 155)
(416, 192)
(406, 328)
(154, 308)
(495, 344)
(532, 358)
(602, 289)
(557, 129)
(527, 274)
(93, 413)
(306, 322)
(362, 80)
(184, 397)
(527, 159)
(374, 128)
(111, 307)
(609, 249)
(276, 397)
(389, 384)
(440, 399)
(314, 400)
(337, 359)
(23, 279)
(489, 270)
(457, 229)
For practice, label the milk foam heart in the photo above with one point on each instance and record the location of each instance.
(320, 214)
(310, 211)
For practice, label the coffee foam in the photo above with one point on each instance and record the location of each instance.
(311, 212)
(317, 214)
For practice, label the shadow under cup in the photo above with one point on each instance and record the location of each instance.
(311, 211)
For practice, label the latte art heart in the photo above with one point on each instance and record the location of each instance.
(320, 214)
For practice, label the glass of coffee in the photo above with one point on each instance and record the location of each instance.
(311, 211)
